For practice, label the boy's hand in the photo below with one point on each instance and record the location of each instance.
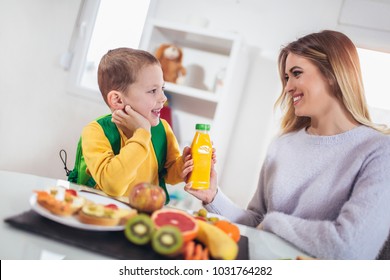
(129, 120)
(188, 163)
(206, 196)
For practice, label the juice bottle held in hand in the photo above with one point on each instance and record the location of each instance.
(201, 151)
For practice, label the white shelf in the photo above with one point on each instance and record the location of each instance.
(208, 52)
(191, 92)
(214, 41)
(211, 52)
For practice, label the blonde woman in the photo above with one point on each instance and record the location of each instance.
(325, 183)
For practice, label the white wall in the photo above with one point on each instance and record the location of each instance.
(38, 117)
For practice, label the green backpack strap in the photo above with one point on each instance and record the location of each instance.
(74, 174)
(159, 141)
(79, 173)
(111, 132)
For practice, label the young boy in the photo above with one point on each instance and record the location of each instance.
(131, 83)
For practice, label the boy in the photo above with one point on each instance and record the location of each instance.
(132, 85)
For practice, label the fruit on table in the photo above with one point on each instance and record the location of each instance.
(139, 229)
(167, 240)
(230, 229)
(202, 212)
(201, 218)
(213, 219)
(203, 215)
(183, 221)
(220, 245)
(146, 197)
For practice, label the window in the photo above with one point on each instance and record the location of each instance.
(375, 70)
(101, 26)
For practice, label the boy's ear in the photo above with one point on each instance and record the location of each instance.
(114, 99)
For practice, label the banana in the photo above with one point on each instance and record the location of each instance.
(221, 245)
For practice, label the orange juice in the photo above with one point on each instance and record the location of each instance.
(201, 151)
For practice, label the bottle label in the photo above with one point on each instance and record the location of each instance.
(204, 150)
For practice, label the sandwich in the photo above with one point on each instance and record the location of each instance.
(104, 215)
(60, 201)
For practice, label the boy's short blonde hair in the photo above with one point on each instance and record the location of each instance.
(118, 69)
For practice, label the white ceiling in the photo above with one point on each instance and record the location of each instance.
(370, 14)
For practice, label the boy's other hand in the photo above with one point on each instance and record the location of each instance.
(188, 163)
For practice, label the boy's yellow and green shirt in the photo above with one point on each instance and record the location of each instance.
(135, 163)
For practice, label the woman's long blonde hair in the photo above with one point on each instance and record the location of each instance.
(336, 57)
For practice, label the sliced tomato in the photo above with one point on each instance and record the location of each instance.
(112, 206)
(71, 192)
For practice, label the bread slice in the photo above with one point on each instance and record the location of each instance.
(60, 202)
(98, 214)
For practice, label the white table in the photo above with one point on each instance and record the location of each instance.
(16, 244)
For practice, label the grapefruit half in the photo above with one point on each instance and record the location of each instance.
(180, 219)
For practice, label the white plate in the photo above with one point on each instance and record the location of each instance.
(73, 221)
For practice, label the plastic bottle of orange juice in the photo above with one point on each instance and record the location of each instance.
(201, 151)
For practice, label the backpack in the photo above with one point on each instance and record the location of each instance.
(79, 173)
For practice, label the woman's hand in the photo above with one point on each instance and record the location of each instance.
(206, 196)
(129, 120)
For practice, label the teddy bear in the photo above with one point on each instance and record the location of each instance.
(170, 57)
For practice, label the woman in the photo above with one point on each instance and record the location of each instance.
(325, 183)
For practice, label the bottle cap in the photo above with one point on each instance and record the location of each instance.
(201, 126)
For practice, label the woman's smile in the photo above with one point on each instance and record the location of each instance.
(296, 98)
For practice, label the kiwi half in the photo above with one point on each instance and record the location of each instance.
(167, 240)
(139, 229)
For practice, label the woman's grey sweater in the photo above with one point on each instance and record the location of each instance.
(327, 195)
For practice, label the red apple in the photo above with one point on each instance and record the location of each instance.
(146, 197)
